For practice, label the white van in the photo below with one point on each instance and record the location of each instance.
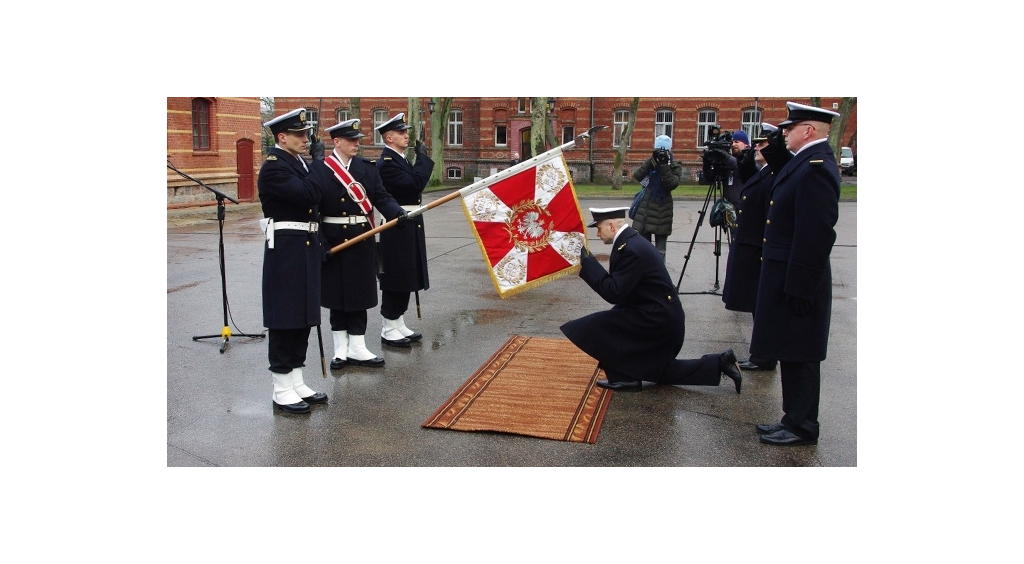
(846, 160)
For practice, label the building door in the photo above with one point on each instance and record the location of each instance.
(243, 152)
(527, 148)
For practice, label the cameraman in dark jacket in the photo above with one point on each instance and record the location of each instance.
(659, 175)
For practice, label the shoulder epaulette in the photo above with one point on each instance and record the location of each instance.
(387, 158)
(816, 162)
(622, 246)
(368, 160)
(272, 157)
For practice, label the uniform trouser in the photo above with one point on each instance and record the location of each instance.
(703, 371)
(287, 349)
(352, 321)
(393, 304)
(801, 389)
(761, 362)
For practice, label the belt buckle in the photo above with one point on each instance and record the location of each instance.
(311, 227)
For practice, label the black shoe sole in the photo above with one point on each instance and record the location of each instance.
(371, 363)
(289, 409)
(399, 344)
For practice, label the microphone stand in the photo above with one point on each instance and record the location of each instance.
(225, 333)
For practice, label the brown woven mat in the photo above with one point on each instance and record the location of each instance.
(532, 386)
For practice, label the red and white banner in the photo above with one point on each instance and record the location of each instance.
(529, 225)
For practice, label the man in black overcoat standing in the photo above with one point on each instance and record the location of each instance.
(638, 339)
(352, 189)
(403, 249)
(743, 268)
(289, 195)
(794, 296)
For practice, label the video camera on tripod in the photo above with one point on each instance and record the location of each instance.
(716, 156)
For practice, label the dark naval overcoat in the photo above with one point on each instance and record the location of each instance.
(799, 231)
(349, 277)
(404, 249)
(644, 330)
(291, 270)
(743, 268)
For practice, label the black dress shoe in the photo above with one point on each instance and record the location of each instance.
(785, 438)
(318, 397)
(747, 365)
(404, 342)
(627, 386)
(727, 364)
(298, 407)
(769, 429)
(374, 362)
(416, 336)
(337, 363)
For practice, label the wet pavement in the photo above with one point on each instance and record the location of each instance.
(219, 409)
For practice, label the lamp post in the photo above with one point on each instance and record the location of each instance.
(551, 110)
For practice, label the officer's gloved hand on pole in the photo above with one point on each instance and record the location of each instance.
(421, 148)
(584, 253)
(402, 219)
(316, 149)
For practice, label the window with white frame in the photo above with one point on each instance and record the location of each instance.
(379, 117)
(313, 117)
(343, 115)
(663, 120)
(500, 135)
(751, 122)
(455, 127)
(454, 173)
(705, 119)
(522, 106)
(619, 121)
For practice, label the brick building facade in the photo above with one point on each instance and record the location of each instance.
(482, 133)
(216, 141)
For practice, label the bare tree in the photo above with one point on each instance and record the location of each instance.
(266, 113)
(538, 126)
(620, 155)
(438, 129)
(838, 129)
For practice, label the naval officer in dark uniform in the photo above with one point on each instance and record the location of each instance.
(352, 188)
(639, 337)
(794, 295)
(743, 268)
(289, 195)
(403, 249)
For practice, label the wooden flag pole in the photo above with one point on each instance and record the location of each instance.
(510, 171)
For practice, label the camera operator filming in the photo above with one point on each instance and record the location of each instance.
(659, 175)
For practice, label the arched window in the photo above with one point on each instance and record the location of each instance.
(619, 122)
(705, 119)
(200, 124)
(751, 122)
(379, 117)
(663, 120)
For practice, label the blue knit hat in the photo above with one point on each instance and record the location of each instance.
(741, 136)
(663, 142)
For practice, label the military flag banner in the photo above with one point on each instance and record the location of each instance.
(528, 223)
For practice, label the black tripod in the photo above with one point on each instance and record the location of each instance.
(225, 333)
(715, 191)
